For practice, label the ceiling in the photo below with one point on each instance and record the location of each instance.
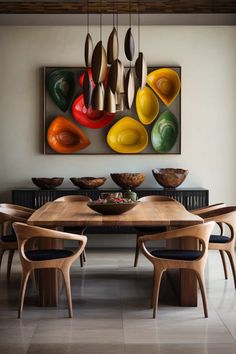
(121, 6)
(161, 12)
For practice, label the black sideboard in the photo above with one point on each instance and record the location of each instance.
(191, 198)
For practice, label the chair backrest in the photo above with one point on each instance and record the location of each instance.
(200, 232)
(155, 198)
(7, 217)
(26, 232)
(17, 207)
(203, 210)
(73, 198)
(225, 215)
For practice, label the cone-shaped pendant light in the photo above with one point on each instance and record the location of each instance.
(140, 64)
(115, 77)
(99, 63)
(129, 45)
(112, 46)
(88, 50)
(87, 90)
(109, 101)
(129, 89)
(119, 101)
(141, 70)
(98, 97)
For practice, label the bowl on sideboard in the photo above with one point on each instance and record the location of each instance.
(47, 183)
(128, 180)
(169, 177)
(88, 182)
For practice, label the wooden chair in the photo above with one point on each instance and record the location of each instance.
(77, 230)
(17, 207)
(203, 210)
(149, 230)
(186, 259)
(200, 212)
(8, 241)
(73, 198)
(225, 218)
(49, 258)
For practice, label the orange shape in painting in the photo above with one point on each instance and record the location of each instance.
(65, 137)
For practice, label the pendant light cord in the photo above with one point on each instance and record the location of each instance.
(87, 16)
(138, 27)
(100, 20)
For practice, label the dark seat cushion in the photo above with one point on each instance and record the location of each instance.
(219, 239)
(43, 255)
(9, 238)
(184, 255)
(150, 230)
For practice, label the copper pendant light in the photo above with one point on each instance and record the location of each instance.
(129, 89)
(98, 97)
(109, 101)
(112, 46)
(87, 90)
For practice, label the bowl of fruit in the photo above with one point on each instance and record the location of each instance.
(112, 205)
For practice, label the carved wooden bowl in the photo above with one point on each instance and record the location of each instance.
(128, 180)
(169, 177)
(111, 208)
(47, 183)
(88, 182)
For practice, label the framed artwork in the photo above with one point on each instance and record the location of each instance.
(151, 126)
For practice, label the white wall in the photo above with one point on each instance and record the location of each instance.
(208, 58)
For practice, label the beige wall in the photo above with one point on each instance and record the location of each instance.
(208, 58)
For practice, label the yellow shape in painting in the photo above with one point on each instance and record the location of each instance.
(127, 136)
(166, 83)
(147, 105)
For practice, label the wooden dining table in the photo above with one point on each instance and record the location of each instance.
(171, 214)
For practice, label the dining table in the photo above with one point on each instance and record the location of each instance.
(170, 214)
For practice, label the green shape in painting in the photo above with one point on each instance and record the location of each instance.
(61, 87)
(164, 132)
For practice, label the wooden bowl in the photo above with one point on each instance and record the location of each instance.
(111, 208)
(128, 180)
(88, 182)
(169, 177)
(47, 183)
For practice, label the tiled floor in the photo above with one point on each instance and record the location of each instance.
(112, 315)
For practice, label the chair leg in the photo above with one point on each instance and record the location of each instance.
(66, 276)
(24, 280)
(84, 256)
(136, 253)
(201, 281)
(232, 263)
(1, 255)
(9, 263)
(81, 260)
(156, 287)
(224, 263)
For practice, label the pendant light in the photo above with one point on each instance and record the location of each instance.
(88, 51)
(140, 64)
(99, 71)
(112, 55)
(129, 79)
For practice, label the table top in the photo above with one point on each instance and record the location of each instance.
(161, 213)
